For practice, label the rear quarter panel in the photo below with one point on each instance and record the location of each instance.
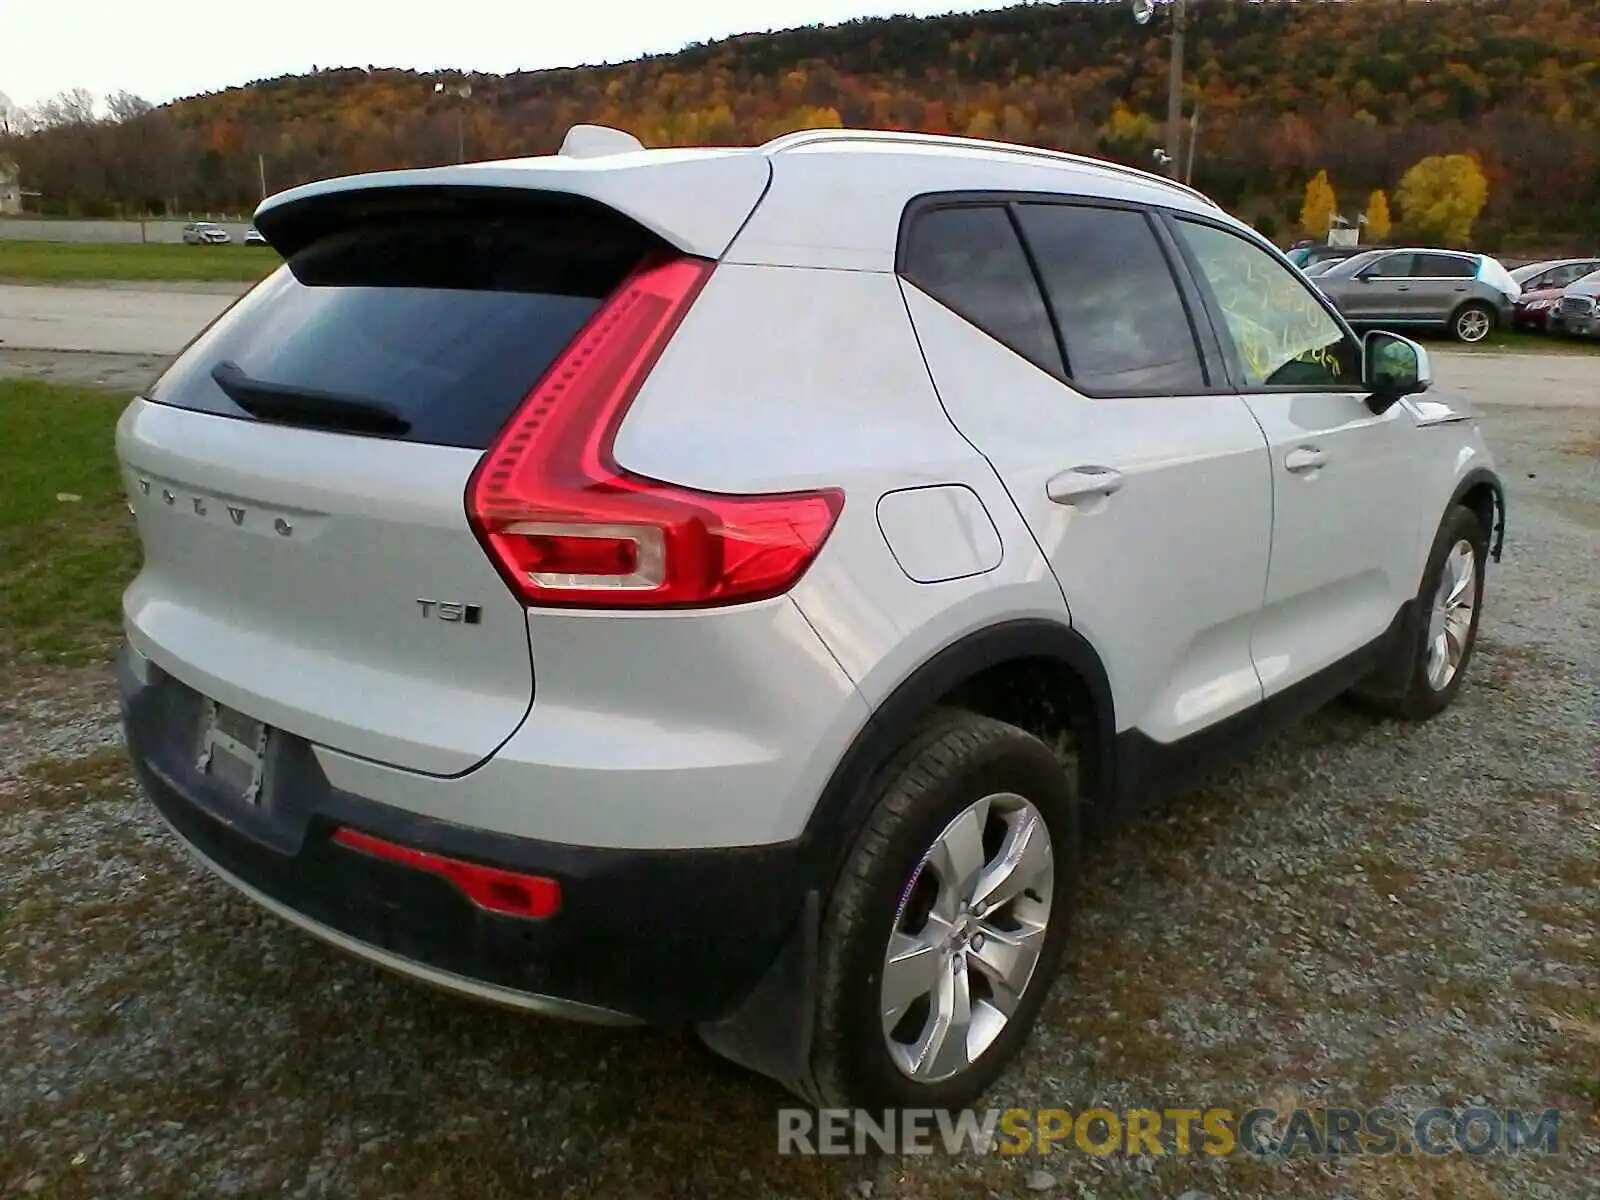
(784, 378)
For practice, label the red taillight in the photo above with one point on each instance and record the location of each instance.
(499, 891)
(568, 527)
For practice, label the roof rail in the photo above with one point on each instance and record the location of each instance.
(818, 137)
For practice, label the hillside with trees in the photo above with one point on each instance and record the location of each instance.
(1362, 90)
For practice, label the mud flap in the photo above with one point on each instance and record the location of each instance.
(771, 1031)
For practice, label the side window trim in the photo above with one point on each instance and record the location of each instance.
(923, 206)
(1215, 316)
(1044, 293)
(1221, 371)
(1208, 364)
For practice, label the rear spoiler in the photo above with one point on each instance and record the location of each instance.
(696, 200)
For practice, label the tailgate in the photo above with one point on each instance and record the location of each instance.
(299, 475)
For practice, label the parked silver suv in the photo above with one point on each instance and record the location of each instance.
(1466, 295)
(715, 586)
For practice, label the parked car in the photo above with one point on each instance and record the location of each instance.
(1064, 485)
(1308, 254)
(1465, 295)
(1531, 311)
(1578, 311)
(1553, 274)
(252, 237)
(204, 233)
(1319, 267)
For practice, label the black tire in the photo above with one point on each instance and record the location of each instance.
(1463, 316)
(955, 760)
(1416, 698)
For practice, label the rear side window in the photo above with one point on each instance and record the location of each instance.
(444, 317)
(1116, 302)
(1444, 266)
(1395, 266)
(969, 259)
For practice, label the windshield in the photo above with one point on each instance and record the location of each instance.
(1589, 285)
(1523, 274)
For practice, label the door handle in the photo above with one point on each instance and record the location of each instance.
(1303, 459)
(1082, 483)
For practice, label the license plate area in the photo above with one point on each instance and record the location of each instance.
(232, 753)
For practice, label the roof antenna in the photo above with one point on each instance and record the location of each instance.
(597, 141)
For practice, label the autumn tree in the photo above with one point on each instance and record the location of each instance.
(983, 125)
(1126, 129)
(1407, 79)
(1441, 197)
(1316, 212)
(1378, 222)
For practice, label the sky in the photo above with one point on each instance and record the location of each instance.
(164, 49)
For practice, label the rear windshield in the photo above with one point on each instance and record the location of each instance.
(444, 318)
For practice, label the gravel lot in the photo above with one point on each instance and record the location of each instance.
(1362, 914)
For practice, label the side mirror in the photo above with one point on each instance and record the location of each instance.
(1393, 367)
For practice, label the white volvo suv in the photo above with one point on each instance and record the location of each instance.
(719, 587)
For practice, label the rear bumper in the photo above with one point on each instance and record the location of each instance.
(663, 937)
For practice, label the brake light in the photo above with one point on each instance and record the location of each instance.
(568, 527)
(508, 893)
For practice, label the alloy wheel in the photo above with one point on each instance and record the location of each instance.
(1450, 621)
(1473, 325)
(967, 937)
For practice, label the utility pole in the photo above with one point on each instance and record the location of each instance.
(1143, 10)
(1180, 21)
(1194, 138)
(261, 168)
(460, 91)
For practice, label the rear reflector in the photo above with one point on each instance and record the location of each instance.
(498, 891)
(568, 527)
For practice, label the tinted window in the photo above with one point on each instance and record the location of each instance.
(1444, 266)
(1394, 266)
(447, 320)
(969, 259)
(1283, 335)
(1117, 305)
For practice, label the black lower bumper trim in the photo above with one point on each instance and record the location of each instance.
(669, 937)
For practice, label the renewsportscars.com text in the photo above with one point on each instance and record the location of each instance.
(1217, 1132)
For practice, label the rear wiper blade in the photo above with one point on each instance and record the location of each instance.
(306, 406)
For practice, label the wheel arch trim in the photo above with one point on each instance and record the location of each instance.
(1482, 476)
(842, 804)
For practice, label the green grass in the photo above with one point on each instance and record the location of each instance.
(54, 262)
(67, 546)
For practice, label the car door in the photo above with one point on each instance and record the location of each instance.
(1076, 371)
(1381, 292)
(1345, 526)
(1440, 282)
